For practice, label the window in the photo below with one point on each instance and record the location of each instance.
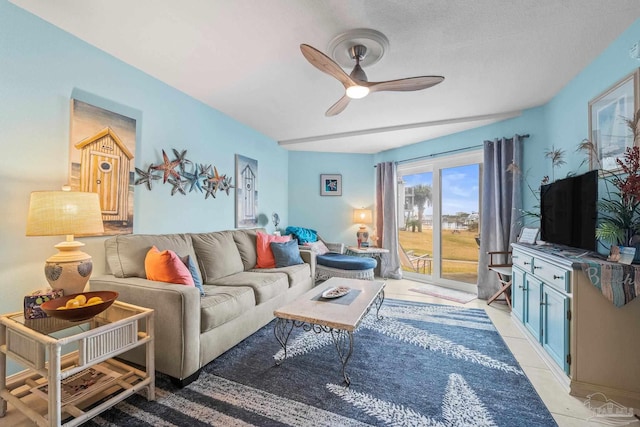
(439, 218)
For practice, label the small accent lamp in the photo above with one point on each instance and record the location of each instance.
(362, 217)
(55, 213)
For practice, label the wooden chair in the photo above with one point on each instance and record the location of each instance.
(417, 263)
(504, 271)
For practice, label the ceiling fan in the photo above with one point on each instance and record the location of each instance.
(356, 84)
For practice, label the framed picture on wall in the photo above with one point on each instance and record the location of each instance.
(102, 147)
(331, 185)
(246, 192)
(608, 115)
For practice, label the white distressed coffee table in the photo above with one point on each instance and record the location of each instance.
(339, 316)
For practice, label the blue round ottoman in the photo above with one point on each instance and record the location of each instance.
(338, 265)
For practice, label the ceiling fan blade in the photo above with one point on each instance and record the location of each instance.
(323, 63)
(338, 107)
(408, 84)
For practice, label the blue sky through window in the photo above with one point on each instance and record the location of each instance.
(460, 188)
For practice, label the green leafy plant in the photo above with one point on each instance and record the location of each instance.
(620, 210)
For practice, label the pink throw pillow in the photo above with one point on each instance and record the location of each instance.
(167, 267)
(263, 249)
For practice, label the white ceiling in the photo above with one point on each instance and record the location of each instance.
(242, 57)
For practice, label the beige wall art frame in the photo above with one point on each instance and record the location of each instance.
(608, 129)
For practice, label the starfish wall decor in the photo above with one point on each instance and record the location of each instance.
(185, 176)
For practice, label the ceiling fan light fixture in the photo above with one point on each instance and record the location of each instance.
(357, 92)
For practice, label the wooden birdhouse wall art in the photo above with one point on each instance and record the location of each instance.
(246, 192)
(104, 169)
(101, 154)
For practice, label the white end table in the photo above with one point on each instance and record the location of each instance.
(380, 254)
(86, 374)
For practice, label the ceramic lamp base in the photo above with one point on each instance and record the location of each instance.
(71, 277)
(69, 269)
(362, 235)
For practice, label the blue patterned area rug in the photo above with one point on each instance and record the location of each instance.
(421, 365)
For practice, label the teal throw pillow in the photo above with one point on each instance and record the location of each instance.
(195, 273)
(286, 253)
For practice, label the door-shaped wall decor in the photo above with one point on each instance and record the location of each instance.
(101, 161)
(246, 192)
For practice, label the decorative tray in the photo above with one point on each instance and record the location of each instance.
(336, 292)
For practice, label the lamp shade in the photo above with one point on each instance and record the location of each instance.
(362, 216)
(56, 213)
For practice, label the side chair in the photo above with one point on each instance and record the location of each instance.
(504, 271)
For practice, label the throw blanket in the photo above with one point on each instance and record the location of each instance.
(619, 283)
(303, 235)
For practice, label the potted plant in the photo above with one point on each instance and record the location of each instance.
(620, 209)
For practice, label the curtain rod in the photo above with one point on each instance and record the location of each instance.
(446, 152)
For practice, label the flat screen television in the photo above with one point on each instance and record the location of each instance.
(568, 209)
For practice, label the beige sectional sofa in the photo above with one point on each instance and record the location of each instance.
(191, 330)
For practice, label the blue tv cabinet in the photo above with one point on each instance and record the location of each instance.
(591, 345)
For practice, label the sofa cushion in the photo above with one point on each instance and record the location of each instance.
(265, 255)
(217, 254)
(166, 267)
(265, 285)
(295, 273)
(125, 254)
(222, 304)
(286, 253)
(246, 243)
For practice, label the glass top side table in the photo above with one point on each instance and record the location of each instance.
(70, 364)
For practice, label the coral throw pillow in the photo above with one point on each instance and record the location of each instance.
(265, 254)
(167, 267)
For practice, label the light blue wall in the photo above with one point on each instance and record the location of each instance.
(331, 216)
(41, 68)
(531, 122)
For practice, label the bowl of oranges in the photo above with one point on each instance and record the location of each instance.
(79, 307)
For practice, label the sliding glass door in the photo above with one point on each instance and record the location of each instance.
(439, 215)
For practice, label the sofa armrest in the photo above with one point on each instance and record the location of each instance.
(309, 257)
(177, 320)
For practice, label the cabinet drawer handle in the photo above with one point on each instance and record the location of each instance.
(526, 263)
(537, 267)
(557, 277)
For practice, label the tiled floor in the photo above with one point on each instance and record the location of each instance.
(567, 410)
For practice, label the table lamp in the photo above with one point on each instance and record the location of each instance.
(362, 217)
(56, 213)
